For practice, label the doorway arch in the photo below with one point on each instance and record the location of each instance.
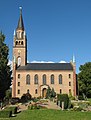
(44, 91)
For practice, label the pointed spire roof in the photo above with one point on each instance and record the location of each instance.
(20, 22)
(73, 60)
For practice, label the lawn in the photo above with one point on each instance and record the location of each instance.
(51, 115)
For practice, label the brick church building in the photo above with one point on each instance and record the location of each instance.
(35, 78)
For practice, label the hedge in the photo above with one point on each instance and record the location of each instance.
(5, 114)
(63, 98)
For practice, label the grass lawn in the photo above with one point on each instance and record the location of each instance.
(51, 115)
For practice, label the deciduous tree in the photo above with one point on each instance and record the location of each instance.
(84, 79)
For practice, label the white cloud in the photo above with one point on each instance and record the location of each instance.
(42, 61)
(10, 63)
(62, 61)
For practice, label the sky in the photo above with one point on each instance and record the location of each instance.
(56, 29)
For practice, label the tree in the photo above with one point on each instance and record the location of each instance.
(50, 93)
(84, 79)
(53, 93)
(5, 72)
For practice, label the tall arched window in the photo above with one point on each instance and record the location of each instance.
(19, 61)
(28, 79)
(52, 79)
(44, 79)
(36, 79)
(60, 79)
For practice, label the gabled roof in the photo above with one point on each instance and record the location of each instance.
(46, 66)
(20, 22)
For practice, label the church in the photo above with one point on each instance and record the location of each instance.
(35, 78)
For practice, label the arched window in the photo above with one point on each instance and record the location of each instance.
(52, 79)
(21, 42)
(19, 61)
(60, 79)
(36, 79)
(16, 43)
(44, 79)
(28, 79)
(28, 91)
(36, 91)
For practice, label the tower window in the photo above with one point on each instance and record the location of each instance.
(18, 76)
(36, 79)
(18, 91)
(18, 83)
(69, 83)
(69, 75)
(28, 79)
(60, 79)
(52, 79)
(16, 42)
(44, 79)
(21, 42)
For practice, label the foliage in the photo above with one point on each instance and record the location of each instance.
(13, 101)
(63, 98)
(5, 72)
(5, 114)
(13, 109)
(8, 94)
(50, 93)
(84, 79)
(25, 97)
(34, 106)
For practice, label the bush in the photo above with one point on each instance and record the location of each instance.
(5, 114)
(13, 109)
(77, 108)
(63, 98)
(25, 97)
(13, 101)
(80, 97)
(35, 106)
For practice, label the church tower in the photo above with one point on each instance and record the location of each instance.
(19, 50)
(20, 43)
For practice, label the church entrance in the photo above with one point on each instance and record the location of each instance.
(44, 91)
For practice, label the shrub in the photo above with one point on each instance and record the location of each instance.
(25, 97)
(77, 108)
(63, 98)
(13, 101)
(5, 114)
(80, 97)
(13, 109)
(35, 106)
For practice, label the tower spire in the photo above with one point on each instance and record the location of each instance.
(20, 22)
(73, 60)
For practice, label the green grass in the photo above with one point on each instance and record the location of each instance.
(51, 115)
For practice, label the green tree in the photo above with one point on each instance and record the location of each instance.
(50, 93)
(5, 72)
(53, 93)
(84, 79)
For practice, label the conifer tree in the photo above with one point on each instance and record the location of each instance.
(5, 72)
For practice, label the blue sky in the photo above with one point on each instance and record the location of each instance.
(56, 29)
